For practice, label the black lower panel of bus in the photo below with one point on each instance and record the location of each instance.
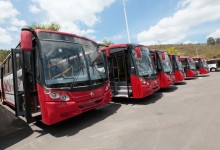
(12, 129)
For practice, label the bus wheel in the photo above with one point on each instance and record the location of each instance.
(213, 69)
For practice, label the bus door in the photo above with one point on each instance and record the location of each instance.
(26, 102)
(1, 85)
(119, 74)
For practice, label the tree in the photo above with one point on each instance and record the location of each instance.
(210, 41)
(107, 42)
(217, 41)
(52, 26)
(3, 54)
(172, 51)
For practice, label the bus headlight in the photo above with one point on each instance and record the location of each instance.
(107, 87)
(64, 98)
(46, 91)
(54, 95)
(143, 81)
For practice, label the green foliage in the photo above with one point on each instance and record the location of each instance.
(107, 42)
(217, 41)
(191, 50)
(3, 54)
(52, 26)
(211, 41)
(172, 51)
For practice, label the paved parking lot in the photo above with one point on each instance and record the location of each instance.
(182, 117)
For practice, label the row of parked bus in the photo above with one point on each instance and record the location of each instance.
(53, 76)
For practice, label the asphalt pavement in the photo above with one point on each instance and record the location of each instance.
(185, 116)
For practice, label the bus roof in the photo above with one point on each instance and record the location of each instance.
(213, 59)
(64, 33)
(123, 45)
(184, 57)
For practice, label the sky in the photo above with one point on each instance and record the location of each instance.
(150, 21)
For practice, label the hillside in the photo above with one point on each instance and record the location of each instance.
(204, 50)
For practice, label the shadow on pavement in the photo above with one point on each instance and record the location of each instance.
(143, 101)
(168, 89)
(73, 125)
(194, 78)
(180, 83)
(12, 129)
(203, 75)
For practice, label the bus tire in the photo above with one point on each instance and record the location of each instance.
(213, 69)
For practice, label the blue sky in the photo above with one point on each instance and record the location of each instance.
(150, 21)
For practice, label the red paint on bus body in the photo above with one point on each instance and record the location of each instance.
(142, 87)
(56, 110)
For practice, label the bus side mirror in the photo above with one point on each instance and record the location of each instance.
(138, 52)
(26, 40)
(107, 51)
(163, 55)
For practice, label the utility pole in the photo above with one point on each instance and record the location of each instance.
(197, 52)
(126, 21)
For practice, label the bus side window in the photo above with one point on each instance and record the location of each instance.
(10, 65)
(18, 61)
(6, 67)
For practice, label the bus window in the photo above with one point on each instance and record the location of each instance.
(18, 61)
(10, 65)
(6, 67)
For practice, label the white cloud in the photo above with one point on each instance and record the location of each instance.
(34, 9)
(215, 34)
(175, 28)
(4, 36)
(9, 23)
(8, 14)
(70, 13)
(12, 28)
(7, 11)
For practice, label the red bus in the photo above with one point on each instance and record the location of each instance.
(177, 68)
(201, 65)
(164, 68)
(55, 75)
(131, 70)
(189, 66)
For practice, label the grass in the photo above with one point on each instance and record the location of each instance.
(203, 50)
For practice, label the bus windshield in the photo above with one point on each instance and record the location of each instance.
(69, 64)
(144, 64)
(179, 63)
(204, 63)
(191, 64)
(166, 64)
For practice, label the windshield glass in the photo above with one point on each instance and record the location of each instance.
(166, 64)
(96, 64)
(179, 63)
(191, 64)
(65, 64)
(144, 64)
(204, 63)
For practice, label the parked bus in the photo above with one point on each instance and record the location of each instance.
(214, 64)
(201, 65)
(164, 68)
(189, 66)
(177, 68)
(55, 75)
(131, 70)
